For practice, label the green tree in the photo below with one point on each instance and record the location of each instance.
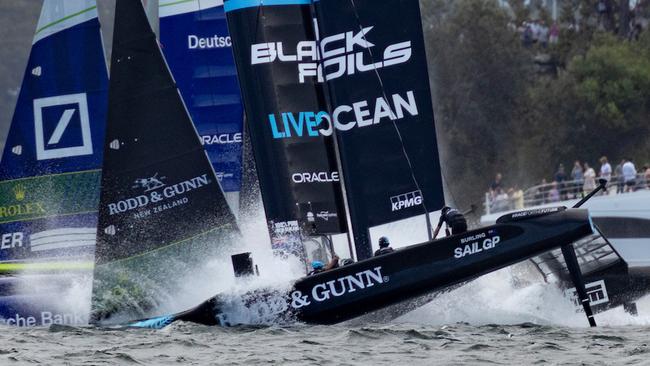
(599, 105)
(478, 72)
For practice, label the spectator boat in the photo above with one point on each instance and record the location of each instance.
(616, 264)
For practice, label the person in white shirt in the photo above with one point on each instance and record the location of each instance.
(605, 170)
(629, 175)
(590, 179)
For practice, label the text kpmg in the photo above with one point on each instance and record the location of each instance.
(344, 117)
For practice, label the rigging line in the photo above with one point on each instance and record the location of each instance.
(383, 91)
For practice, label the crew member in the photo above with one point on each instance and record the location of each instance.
(454, 220)
(318, 266)
(384, 246)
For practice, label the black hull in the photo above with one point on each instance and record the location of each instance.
(429, 267)
(379, 282)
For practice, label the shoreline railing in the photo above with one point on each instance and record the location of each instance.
(555, 192)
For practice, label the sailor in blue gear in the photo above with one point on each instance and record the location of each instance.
(454, 219)
(384, 246)
(318, 266)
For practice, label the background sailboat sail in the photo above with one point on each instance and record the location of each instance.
(375, 69)
(49, 174)
(294, 152)
(162, 212)
(195, 40)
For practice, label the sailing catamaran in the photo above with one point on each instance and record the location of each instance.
(341, 122)
(196, 44)
(162, 212)
(49, 175)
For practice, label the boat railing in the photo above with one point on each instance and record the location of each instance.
(511, 199)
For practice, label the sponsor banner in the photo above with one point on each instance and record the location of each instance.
(135, 217)
(37, 310)
(375, 70)
(56, 237)
(324, 291)
(285, 238)
(283, 110)
(49, 196)
(58, 123)
(196, 44)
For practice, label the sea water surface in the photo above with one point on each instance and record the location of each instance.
(506, 317)
(486, 322)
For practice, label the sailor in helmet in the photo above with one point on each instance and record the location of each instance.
(384, 246)
(318, 266)
(454, 219)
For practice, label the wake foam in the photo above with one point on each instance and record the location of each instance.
(502, 298)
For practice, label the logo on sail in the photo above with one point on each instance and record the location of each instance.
(406, 200)
(333, 56)
(62, 127)
(19, 192)
(149, 184)
(326, 215)
(157, 196)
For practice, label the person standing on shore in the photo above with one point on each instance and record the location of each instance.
(618, 176)
(629, 175)
(590, 179)
(578, 178)
(605, 170)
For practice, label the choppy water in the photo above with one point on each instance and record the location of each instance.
(391, 344)
(486, 322)
(493, 320)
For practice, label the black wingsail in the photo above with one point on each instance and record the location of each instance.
(162, 211)
(375, 70)
(294, 151)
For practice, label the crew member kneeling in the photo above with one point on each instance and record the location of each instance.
(454, 220)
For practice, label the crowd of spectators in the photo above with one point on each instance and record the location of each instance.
(624, 177)
(536, 32)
